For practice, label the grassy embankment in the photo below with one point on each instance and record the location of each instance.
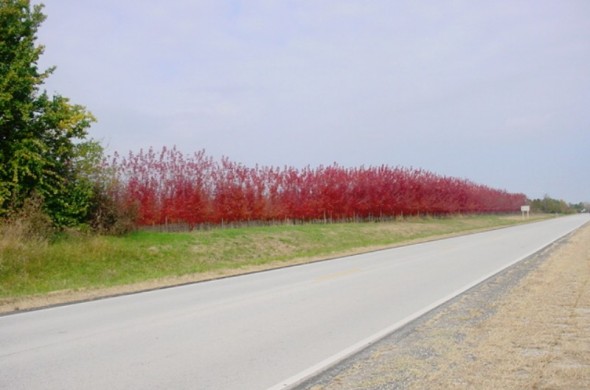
(74, 262)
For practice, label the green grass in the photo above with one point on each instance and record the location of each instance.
(74, 261)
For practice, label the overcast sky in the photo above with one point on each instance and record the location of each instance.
(497, 92)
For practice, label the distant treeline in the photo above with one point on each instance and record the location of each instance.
(556, 206)
(167, 187)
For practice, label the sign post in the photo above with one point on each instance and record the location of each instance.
(525, 210)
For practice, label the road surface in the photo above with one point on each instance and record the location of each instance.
(258, 331)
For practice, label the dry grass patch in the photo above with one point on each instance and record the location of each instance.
(540, 336)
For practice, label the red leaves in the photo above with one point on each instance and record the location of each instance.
(169, 187)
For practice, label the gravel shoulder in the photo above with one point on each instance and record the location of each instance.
(527, 327)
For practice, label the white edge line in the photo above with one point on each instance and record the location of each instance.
(299, 378)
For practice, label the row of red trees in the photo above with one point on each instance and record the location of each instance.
(169, 187)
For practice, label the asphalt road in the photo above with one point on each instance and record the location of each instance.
(258, 331)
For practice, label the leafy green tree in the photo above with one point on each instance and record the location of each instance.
(552, 206)
(39, 134)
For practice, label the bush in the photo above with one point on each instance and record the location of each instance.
(30, 224)
(108, 216)
(33, 220)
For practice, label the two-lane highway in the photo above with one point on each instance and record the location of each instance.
(254, 331)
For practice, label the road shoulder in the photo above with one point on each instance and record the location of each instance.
(527, 327)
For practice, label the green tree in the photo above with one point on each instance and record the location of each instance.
(552, 206)
(39, 134)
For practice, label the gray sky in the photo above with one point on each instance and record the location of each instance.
(497, 92)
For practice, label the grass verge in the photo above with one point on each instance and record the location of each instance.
(74, 262)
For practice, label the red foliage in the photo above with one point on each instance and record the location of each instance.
(169, 187)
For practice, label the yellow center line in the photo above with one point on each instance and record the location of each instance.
(337, 275)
